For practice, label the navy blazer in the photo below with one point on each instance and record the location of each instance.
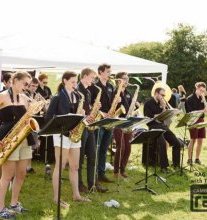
(60, 105)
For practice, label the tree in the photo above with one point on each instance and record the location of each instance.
(185, 54)
(147, 50)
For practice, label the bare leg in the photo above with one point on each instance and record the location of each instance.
(8, 171)
(20, 174)
(190, 148)
(198, 147)
(74, 156)
(55, 177)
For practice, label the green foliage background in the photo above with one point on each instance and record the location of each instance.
(185, 53)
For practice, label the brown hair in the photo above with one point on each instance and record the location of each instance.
(174, 90)
(102, 67)
(66, 75)
(7, 76)
(121, 74)
(42, 76)
(19, 75)
(157, 90)
(200, 84)
(35, 80)
(86, 72)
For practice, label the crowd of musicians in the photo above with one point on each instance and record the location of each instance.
(21, 89)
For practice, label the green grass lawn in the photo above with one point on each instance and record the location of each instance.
(170, 203)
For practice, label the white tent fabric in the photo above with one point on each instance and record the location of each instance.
(65, 53)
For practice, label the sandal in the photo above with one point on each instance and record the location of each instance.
(82, 199)
(63, 204)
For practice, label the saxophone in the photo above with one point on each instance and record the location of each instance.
(76, 134)
(131, 112)
(95, 112)
(121, 110)
(20, 131)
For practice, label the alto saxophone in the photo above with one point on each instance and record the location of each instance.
(76, 134)
(131, 112)
(20, 131)
(95, 112)
(121, 110)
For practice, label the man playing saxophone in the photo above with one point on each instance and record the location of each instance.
(105, 135)
(88, 144)
(194, 102)
(13, 105)
(123, 146)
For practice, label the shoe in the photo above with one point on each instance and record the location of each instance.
(190, 161)
(198, 161)
(83, 188)
(7, 214)
(30, 170)
(104, 179)
(18, 208)
(124, 175)
(165, 170)
(101, 189)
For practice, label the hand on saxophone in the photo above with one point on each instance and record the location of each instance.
(90, 119)
(163, 104)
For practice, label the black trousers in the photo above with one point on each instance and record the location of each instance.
(170, 137)
(88, 146)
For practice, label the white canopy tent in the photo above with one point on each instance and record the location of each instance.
(65, 53)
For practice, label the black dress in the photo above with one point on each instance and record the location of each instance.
(9, 116)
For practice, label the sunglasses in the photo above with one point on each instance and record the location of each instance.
(45, 83)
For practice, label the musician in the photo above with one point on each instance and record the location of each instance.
(88, 143)
(31, 92)
(7, 80)
(43, 89)
(66, 101)
(194, 102)
(105, 136)
(46, 143)
(123, 146)
(182, 94)
(32, 88)
(153, 107)
(13, 105)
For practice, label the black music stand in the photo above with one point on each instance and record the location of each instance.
(167, 114)
(147, 136)
(60, 124)
(107, 123)
(187, 120)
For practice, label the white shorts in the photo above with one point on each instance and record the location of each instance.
(22, 152)
(67, 143)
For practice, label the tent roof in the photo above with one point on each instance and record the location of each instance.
(59, 52)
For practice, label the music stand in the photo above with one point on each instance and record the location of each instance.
(147, 136)
(188, 120)
(107, 123)
(167, 114)
(60, 124)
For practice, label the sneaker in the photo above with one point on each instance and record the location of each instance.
(198, 161)
(7, 214)
(190, 161)
(18, 208)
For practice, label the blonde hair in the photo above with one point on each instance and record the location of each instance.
(181, 89)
